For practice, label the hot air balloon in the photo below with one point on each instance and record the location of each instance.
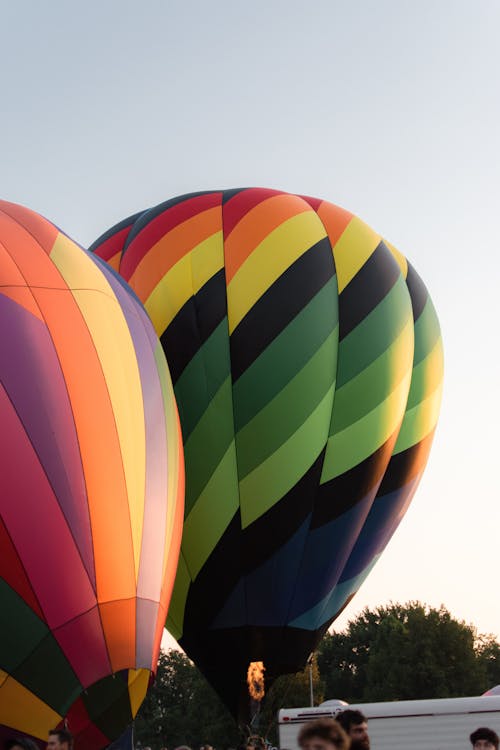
(91, 498)
(307, 365)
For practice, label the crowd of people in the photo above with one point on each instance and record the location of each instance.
(348, 731)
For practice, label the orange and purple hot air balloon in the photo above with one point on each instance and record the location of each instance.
(91, 496)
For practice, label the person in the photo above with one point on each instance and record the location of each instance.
(60, 739)
(20, 743)
(484, 739)
(354, 723)
(255, 742)
(323, 734)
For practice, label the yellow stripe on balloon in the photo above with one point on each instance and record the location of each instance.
(23, 711)
(348, 447)
(399, 258)
(186, 278)
(173, 467)
(270, 259)
(78, 270)
(138, 681)
(353, 248)
(429, 372)
(111, 337)
(419, 421)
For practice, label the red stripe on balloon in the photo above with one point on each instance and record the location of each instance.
(37, 526)
(14, 574)
(241, 203)
(157, 227)
(82, 640)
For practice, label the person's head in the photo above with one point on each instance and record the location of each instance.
(354, 723)
(484, 739)
(323, 734)
(255, 742)
(20, 743)
(60, 739)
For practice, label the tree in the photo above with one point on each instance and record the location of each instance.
(182, 709)
(291, 690)
(488, 650)
(402, 652)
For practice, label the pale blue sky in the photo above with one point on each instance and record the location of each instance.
(389, 108)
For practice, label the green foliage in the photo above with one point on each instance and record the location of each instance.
(291, 690)
(394, 652)
(406, 652)
(182, 709)
(488, 650)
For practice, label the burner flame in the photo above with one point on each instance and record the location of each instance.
(255, 680)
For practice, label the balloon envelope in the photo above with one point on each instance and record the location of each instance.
(91, 497)
(307, 365)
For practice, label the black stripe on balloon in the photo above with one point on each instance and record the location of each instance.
(194, 323)
(113, 693)
(274, 528)
(404, 466)
(228, 194)
(342, 493)
(367, 288)
(284, 299)
(152, 213)
(218, 577)
(128, 222)
(418, 291)
(238, 552)
(224, 655)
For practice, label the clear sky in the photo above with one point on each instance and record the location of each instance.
(390, 108)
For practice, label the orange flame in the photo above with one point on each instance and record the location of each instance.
(255, 680)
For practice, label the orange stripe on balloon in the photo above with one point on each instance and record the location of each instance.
(170, 249)
(99, 445)
(173, 543)
(335, 220)
(42, 230)
(118, 622)
(111, 249)
(254, 227)
(31, 260)
(23, 297)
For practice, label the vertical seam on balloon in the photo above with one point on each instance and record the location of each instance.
(299, 568)
(71, 411)
(193, 297)
(390, 437)
(202, 355)
(241, 547)
(141, 321)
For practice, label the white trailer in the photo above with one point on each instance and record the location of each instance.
(435, 724)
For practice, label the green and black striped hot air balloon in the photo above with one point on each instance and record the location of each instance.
(307, 365)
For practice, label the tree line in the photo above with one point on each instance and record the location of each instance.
(394, 652)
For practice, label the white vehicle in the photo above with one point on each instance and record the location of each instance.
(435, 724)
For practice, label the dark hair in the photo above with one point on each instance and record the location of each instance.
(484, 733)
(350, 717)
(63, 735)
(23, 742)
(326, 729)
